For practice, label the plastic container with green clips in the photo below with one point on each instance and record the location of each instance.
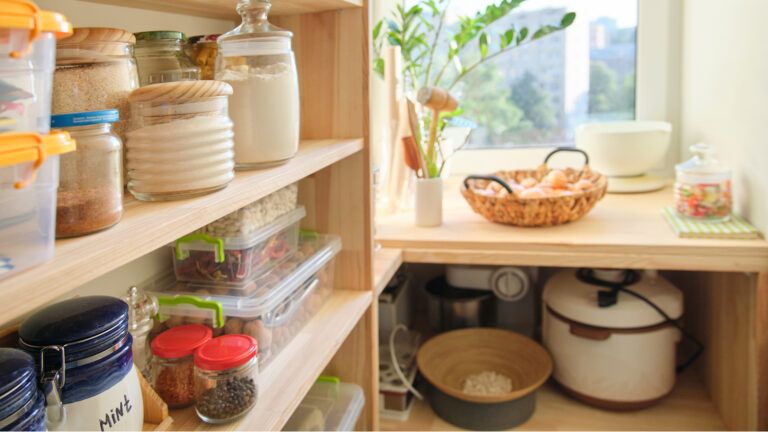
(235, 261)
(279, 303)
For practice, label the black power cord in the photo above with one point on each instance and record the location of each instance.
(610, 298)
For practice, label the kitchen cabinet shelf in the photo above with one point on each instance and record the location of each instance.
(385, 264)
(622, 231)
(687, 408)
(148, 226)
(288, 378)
(225, 9)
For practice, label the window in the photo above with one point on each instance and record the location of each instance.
(537, 94)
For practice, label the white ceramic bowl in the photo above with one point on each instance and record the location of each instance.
(624, 148)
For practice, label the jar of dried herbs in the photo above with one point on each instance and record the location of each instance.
(173, 373)
(90, 195)
(226, 370)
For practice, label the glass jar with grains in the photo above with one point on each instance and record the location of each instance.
(160, 58)
(90, 195)
(173, 375)
(226, 370)
(203, 50)
(95, 70)
(257, 60)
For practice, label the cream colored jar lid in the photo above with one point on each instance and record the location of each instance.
(180, 90)
(568, 296)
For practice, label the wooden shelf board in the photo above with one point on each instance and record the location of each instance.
(288, 378)
(385, 264)
(622, 231)
(687, 408)
(225, 9)
(148, 226)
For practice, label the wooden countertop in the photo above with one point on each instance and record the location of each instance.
(622, 231)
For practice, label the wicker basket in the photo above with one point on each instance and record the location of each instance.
(534, 212)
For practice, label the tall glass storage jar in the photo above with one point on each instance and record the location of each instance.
(703, 186)
(160, 57)
(95, 70)
(257, 60)
(90, 196)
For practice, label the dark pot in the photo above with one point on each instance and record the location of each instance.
(451, 308)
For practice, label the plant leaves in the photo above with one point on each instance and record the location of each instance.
(567, 20)
(378, 66)
(377, 29)
(483, 41)
(507, 38)
(521, 35)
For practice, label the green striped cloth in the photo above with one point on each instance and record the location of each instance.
(735, 228)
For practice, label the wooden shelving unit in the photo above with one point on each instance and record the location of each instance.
(148, 226)
(333, 170)
(385, 264)
(226, 8)
(622, 231)
(284, 381)
(687, 408)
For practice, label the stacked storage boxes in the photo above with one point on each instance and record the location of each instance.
(29, 152)
(251, 272)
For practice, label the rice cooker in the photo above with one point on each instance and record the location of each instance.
(82, 349)
(611, 348)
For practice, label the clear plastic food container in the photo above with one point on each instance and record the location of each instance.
(330, 405)
(29, 176)
(226, 374)
(280, 303)
(180, 140)
(238, 259)
(27, 59)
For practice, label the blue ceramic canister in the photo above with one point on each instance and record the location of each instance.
(22, 405)
(83, 353)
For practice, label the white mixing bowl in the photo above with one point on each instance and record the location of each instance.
(624, 148)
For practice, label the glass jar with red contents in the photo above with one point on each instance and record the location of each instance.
(173, 375)
(226, 370)
(703, 186)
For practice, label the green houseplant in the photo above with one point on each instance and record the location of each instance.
(440, 55)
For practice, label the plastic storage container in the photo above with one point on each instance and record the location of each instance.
(173, 374)
(257, 60)
(95, 70)
(29, 176)
(83, 351)
(90, 196)
(160, 58)
(238, 259)
(203, 50)
(277, 307)
(27, 58)
(22, 405)
(226, 372)
(703, 186)
(180, 140)
(330, 405)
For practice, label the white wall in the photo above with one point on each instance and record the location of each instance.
(725, 93)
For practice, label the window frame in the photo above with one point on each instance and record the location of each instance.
(657, 93)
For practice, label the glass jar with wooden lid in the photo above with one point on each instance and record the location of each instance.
(180, 142)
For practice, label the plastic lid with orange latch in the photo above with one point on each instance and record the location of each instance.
(24, 147)
(25, 15)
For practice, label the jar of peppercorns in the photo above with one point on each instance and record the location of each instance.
(226, 370)
(173, 373)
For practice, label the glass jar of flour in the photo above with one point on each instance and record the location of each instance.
(257, 60)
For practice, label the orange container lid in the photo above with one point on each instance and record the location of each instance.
(22, 147)
(24, 14)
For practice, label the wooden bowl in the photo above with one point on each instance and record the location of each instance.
(449, 358)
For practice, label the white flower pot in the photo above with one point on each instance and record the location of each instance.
(429, 202)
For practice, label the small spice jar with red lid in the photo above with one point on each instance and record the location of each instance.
(226, 370)
(173, 374)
